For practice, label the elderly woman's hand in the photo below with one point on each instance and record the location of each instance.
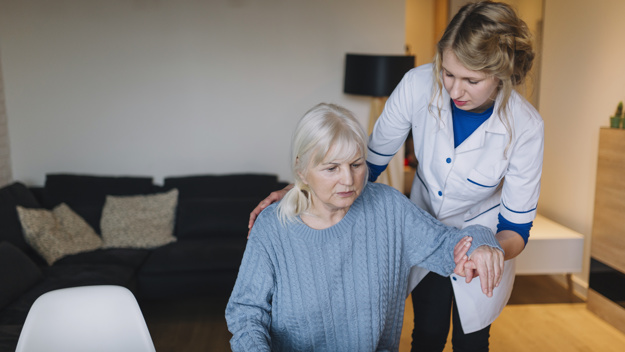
(487, 263)
(460, 254)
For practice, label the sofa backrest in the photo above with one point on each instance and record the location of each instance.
(86, 194)
(223, 186)
(218, 205)
(214, 205)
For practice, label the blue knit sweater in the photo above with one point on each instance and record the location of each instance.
(342, 288)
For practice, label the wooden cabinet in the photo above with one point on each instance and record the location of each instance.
(606, 293)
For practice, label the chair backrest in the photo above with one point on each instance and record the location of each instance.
(87, 318)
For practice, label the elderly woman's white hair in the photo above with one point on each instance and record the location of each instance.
(325, 132)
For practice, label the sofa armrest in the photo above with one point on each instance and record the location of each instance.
(17, 273)
(11, 229)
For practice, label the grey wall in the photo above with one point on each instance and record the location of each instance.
(159, 88)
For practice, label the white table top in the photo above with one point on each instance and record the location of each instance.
(544, 229)
(551, 249)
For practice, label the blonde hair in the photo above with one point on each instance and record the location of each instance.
(488, 37)
(325, 132)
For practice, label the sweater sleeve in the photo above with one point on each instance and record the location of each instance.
(248, 313)
(428, 243)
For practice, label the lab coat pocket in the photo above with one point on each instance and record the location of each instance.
(477, 178)
(481, 183)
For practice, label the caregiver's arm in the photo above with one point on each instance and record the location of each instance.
(511, 242)
(521, 189)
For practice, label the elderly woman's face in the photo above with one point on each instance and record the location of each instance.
(335, 184)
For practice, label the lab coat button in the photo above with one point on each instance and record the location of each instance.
(454, 278)
(440, 193)
(448, 160)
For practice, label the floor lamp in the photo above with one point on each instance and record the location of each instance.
(376, 76)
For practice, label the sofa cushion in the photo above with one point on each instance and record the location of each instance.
(128, 257)
(192, 268)
(86, 194)
(214, 284)
(9, 335)
(223, 186)
(11, 196)
(139, 221)
(17, 273)
(210, 217)
(206, 255)
(57, 233)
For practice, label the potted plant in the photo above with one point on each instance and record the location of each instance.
(615, 121)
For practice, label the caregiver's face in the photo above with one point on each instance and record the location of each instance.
(472, 91)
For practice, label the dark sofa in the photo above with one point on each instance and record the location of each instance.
(210, 230)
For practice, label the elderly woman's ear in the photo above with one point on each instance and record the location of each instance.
(302, 175)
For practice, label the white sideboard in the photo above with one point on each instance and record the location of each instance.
(551, 249)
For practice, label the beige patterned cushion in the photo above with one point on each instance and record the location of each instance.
(139, 221)
(57, 233)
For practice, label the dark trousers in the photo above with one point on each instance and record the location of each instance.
(433, 299)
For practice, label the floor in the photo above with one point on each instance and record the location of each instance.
(197, 325)
(541, 316)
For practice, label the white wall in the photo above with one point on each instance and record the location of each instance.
(160, 88)
(420, 36)
(582, 81)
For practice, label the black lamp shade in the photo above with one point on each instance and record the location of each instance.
(375, 75)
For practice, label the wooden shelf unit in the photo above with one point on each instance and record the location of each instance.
(608, 230)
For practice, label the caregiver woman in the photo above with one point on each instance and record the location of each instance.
(480, 150)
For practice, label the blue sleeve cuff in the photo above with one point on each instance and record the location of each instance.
(375, 171)
(521, 229)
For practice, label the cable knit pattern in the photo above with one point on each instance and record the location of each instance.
(342, 288)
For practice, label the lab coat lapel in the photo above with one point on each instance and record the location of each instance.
(444, 129)
(477, 139)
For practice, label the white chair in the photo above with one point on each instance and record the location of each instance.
(85, 319)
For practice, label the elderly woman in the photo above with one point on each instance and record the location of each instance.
(326, 268)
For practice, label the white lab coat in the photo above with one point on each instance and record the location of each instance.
(465, 185)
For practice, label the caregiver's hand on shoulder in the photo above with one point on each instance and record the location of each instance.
(272, 198)
(487, 263)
